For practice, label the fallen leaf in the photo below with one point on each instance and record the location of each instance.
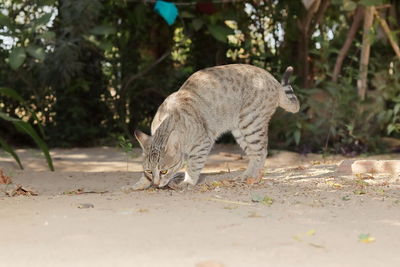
(216, 184)
(298, 168)
(142, 210)
(251, 181)
(362, 183)
(230, 207)
(346, 198)
(316, 245)
(266, 200)
(364, 176)
(380, 191)
(85, 206)
(297, 238)
(366, 238)
(335, 185)
(254, 215)
(310, 232)
(4, 179)
(19, 190)
(359, 192)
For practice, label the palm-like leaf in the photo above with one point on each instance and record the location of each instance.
(25, 128)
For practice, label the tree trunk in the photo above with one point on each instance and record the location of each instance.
(313, 17)
(365, 51)
(347, 44)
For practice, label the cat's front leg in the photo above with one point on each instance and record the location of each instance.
(191, 177)
(184, 181)
(142, 184)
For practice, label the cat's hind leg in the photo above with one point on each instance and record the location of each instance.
(251, 137)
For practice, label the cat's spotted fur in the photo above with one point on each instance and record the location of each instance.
(238, 98)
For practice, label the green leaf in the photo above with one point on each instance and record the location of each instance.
(219, 32)
(43, 20)
(11, 151)
(11, 93)
(48, 35)
(28, 129)
(396, 108)
(297, 135)
(391, 128)
(103, 30)
(17, 57)
(197, 24)
(6, 117)
(36, 52)
(4, 20)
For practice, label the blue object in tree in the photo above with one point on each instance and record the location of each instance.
(167, 11)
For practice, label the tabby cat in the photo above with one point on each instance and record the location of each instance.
(239, 98)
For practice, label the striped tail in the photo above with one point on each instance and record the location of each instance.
(287, 99)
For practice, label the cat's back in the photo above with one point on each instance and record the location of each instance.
(218, 93)
(232, 78)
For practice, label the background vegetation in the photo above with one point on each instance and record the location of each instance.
(88, 71)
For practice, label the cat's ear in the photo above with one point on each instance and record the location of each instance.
(173, 145)
(143, 139)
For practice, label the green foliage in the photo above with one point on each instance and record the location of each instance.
(81, 71)
(10, 150)
(17, 57)
(26, 128)
(387, 84)
(125, 144)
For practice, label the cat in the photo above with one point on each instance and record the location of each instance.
(239, 98)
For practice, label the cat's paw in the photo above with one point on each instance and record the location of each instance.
(249, 178)
(178, 183)
(142, 184)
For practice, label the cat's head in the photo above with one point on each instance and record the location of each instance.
(163, 157)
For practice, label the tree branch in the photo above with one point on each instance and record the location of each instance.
(387, 31)
(143, 72)
(357, 18)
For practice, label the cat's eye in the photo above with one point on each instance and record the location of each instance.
(164, 172)
(149, 171)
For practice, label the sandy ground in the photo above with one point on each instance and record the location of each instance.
(301, 214)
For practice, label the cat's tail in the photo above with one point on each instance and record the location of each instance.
(287, 99)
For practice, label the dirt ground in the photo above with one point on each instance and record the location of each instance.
(302, 213)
